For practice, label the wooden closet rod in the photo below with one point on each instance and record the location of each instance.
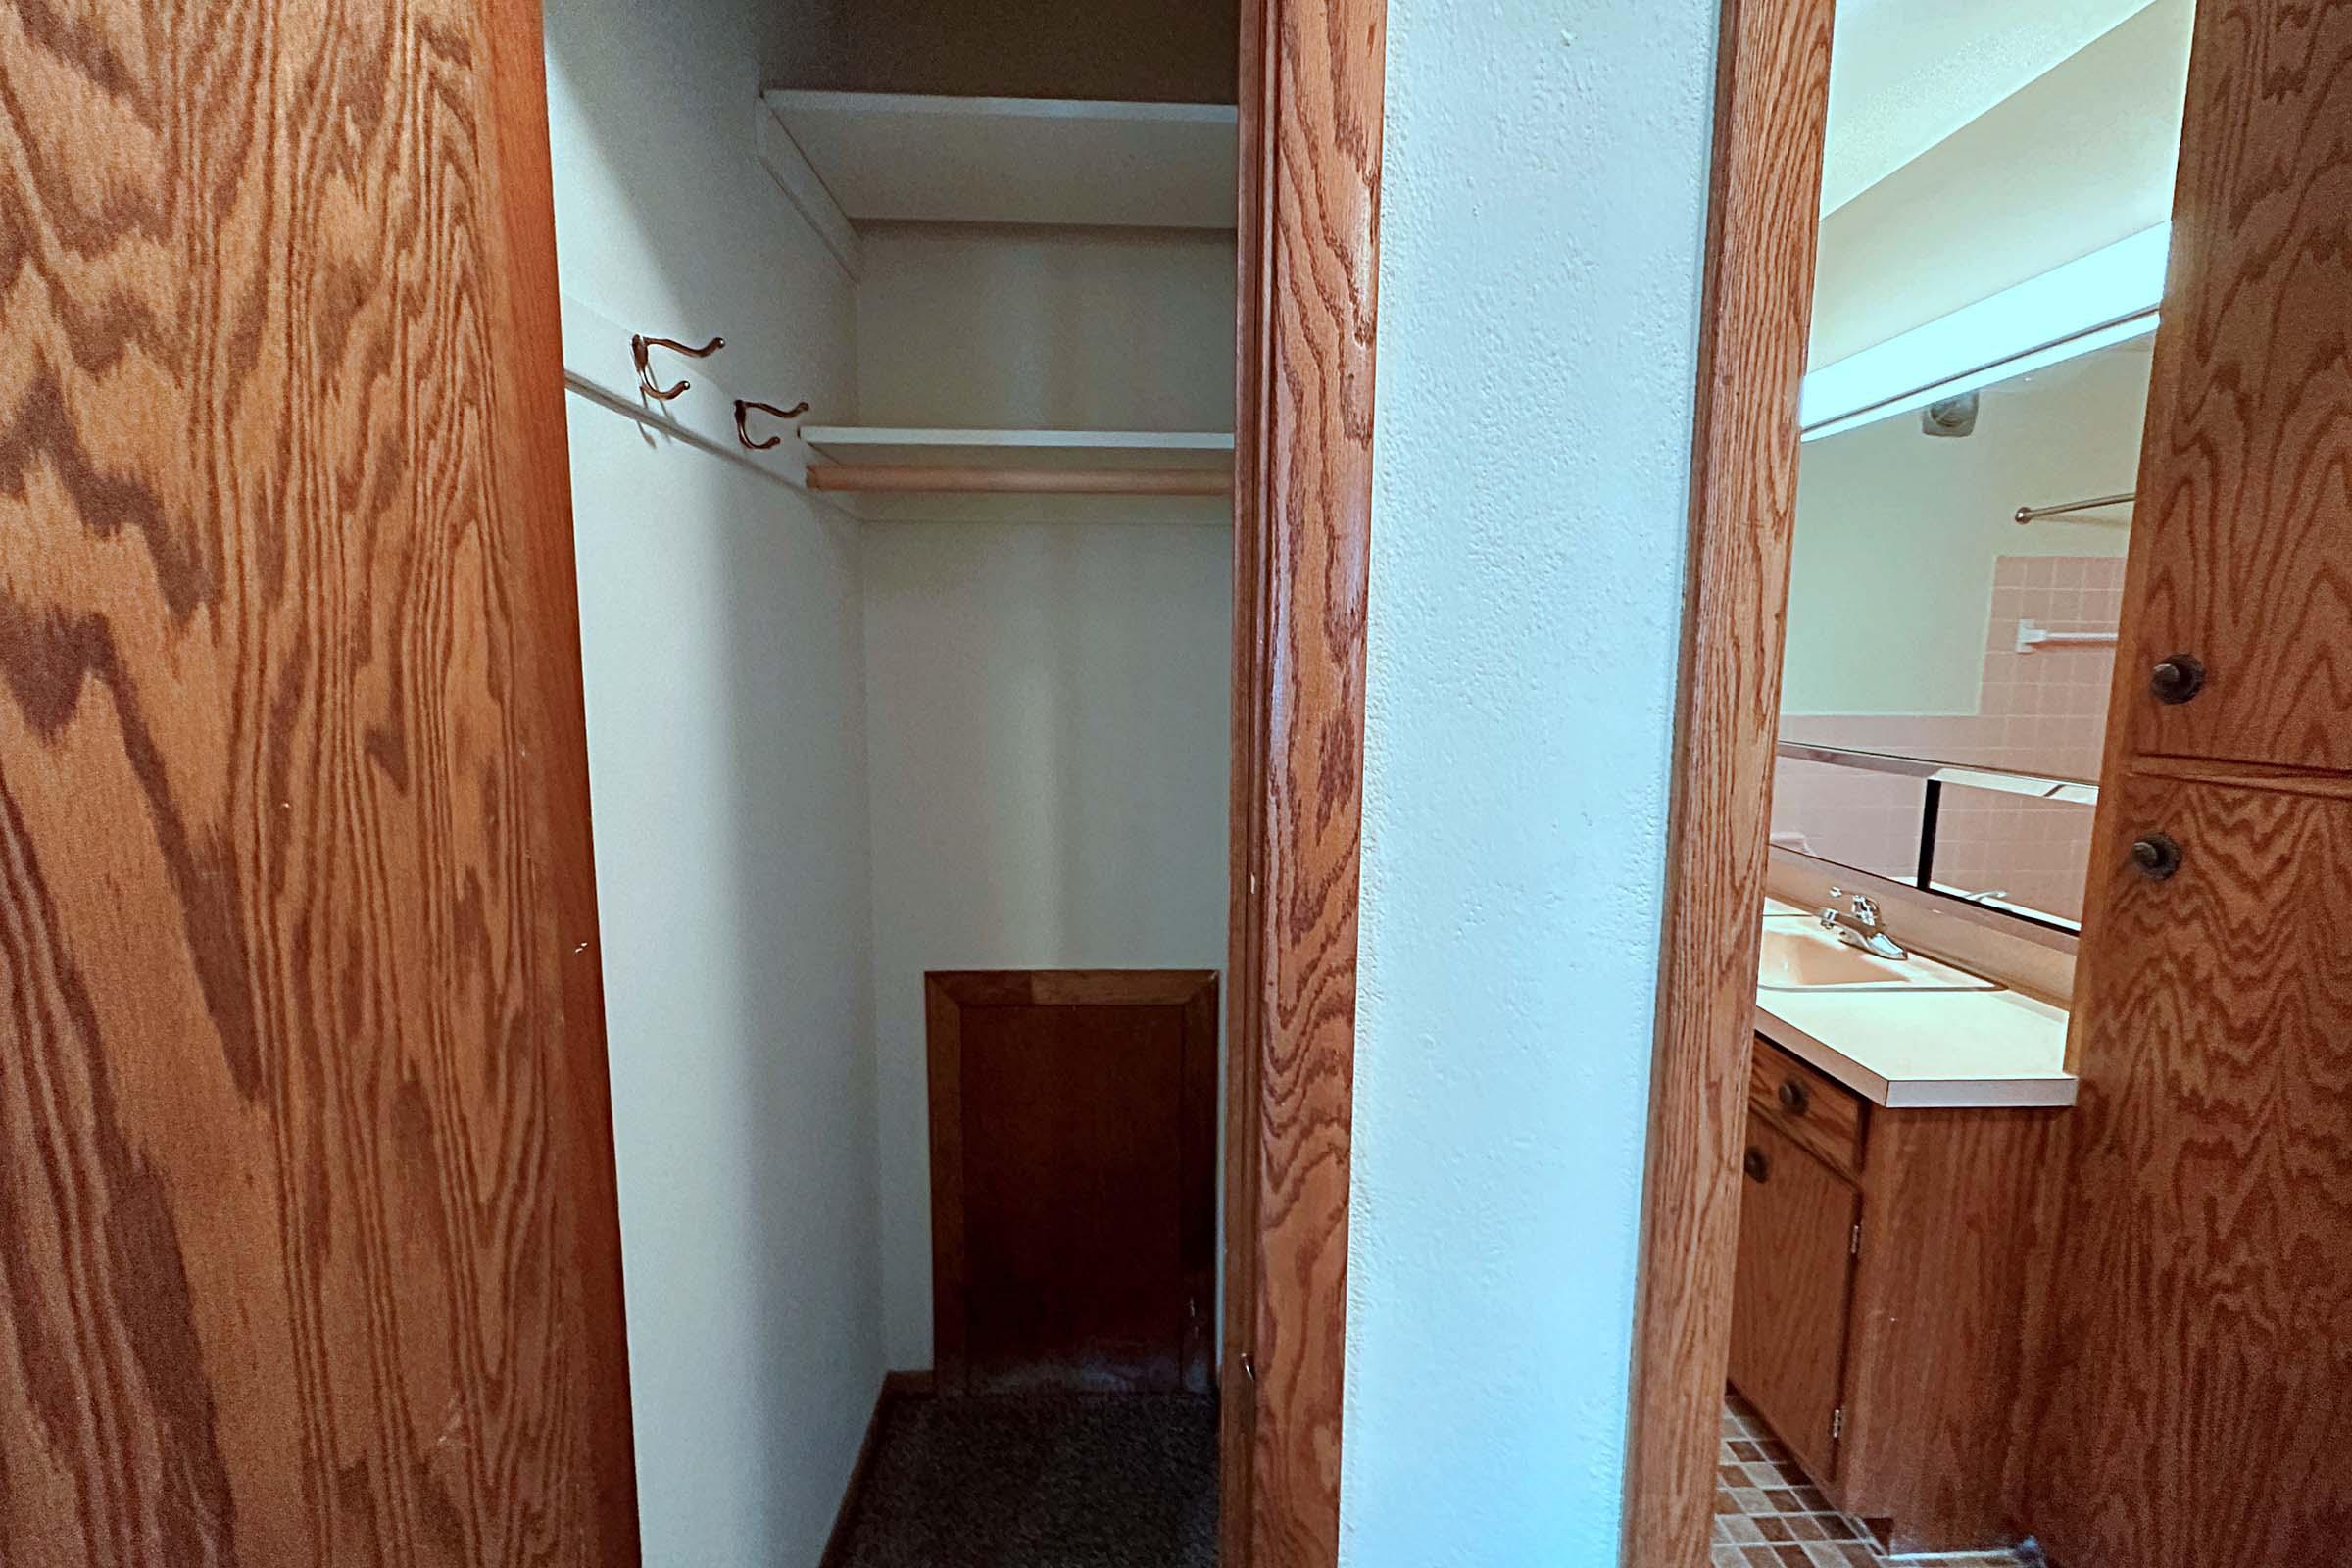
(908, 479)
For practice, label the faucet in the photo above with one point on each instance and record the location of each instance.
(1861, 928)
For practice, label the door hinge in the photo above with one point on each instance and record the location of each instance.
(1853, 1247)
(1838, 1423)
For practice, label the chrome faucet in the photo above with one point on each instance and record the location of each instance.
(1861, 928)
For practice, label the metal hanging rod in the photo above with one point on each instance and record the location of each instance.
(2026, 515)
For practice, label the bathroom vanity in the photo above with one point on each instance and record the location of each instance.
(1902, 1166)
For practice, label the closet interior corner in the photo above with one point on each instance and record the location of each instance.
(901, 385)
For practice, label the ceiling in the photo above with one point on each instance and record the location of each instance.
(1906, 73)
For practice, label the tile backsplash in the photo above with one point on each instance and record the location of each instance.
(2043, 711)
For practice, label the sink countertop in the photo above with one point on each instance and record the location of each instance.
(1923, 1048)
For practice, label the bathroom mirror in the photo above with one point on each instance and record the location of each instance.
(1998, 191)
(1945, 685)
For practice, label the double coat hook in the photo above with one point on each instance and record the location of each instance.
(744, 406)
(639, 343)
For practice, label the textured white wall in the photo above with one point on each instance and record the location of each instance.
(1542, 227)
(723, 666)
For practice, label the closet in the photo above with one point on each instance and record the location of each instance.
(901, 422)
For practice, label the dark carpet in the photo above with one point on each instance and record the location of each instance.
(1042, 1481)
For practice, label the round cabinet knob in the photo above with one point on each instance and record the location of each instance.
(1793, 1097)
(2156, 857)
(2178, 679)
(1758, 1168)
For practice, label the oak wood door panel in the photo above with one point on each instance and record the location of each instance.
(1306, 314)
(2201, 1377)
(2242, 546)
(1074, 1146)
(1960, 1220)
(1763, 214)
(1792, 1294)
(308, 1248)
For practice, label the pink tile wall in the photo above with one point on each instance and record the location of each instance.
(2043, 712)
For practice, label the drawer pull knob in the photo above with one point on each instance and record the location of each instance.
(2178, 679)
(1793, 1097)
(2156, 857)
(1758, 1168)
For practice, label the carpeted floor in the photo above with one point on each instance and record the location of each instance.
(1042, 1481)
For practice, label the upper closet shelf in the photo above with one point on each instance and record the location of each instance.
(887, 460)
(898, 156)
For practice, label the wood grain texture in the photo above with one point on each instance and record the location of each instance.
(1246, 804)
(1960, 1214)
(2242, 544)
(1310, 221)
(1793, 1289)
(2201, 1370)
(306, 1177)
(1826, 1118)
(1073, 1178)
(1772, 98)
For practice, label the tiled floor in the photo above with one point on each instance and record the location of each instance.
(1768, 1515)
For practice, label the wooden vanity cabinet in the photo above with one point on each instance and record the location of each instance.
(1888, 1261)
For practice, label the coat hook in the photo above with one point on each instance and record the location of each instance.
(744, 406)
(639, 343)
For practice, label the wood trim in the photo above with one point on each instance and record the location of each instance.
(1310, 104)
(896, 1386)
(875, 478)
(1244, 955)
(945, 994)
(1771, 106)
(942, 1034)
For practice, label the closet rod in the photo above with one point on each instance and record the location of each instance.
(910, 479)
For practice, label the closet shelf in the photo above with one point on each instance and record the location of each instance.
(886, 460)
(910, 158)
(1205, 452)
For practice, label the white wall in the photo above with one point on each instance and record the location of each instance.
(723, 666)
(1897, 532)
(1047, 699)
(1543, 214)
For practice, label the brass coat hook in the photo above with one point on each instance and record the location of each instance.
(744, 406)
(639, 343)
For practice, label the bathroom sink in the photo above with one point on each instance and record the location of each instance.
(1805, 958)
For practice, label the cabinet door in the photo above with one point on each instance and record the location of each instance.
(1791, 1300)
(2202, 1387)
(2242, 539)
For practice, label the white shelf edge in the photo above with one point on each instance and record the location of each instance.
(805, 190)
(1095, 109)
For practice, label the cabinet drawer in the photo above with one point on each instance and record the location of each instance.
(1809, 1105)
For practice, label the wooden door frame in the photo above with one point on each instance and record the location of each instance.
(1772, 98)
(1310, 97)
(945, 994)
(1307, 252)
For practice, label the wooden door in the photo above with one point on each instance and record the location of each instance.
(1793, 1294)
(308, 1248)
(1074, 1183)
(2199, 1391)
(2200, 1349)
(2241, 545)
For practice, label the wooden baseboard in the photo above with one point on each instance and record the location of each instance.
(896, 1386)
